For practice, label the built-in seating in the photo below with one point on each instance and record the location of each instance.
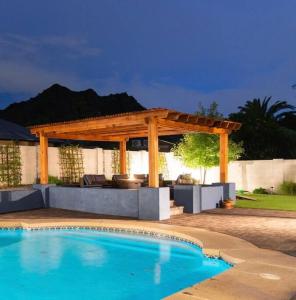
(143, 177)
(94, 180)
(186, 179)
(119, 181)
(124, 182)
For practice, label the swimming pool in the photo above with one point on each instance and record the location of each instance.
(90, 264)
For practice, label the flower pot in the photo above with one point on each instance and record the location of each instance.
(228, 204)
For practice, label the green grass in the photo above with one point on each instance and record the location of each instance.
(279, 202)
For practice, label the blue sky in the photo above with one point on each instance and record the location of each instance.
(166, 53)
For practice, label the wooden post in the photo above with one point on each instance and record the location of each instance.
(223, 157)
(153, 152)
(43, 158)
(122, 150)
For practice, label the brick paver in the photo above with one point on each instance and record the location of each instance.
(270, 232)
(254, 212)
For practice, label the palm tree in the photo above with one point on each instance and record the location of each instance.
(262, 110)
(263, 134)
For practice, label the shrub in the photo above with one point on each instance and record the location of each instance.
(260, 190)
(71, 163)
(10, 165)
(54, 180)
(288, 188)
(241, 192)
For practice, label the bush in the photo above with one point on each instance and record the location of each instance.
(242, 192)
(54, 180)
(10, 165)
(260, 190)
(288, 188)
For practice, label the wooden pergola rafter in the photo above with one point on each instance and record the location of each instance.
(150, 123)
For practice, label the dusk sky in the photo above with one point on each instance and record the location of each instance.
(166, 53)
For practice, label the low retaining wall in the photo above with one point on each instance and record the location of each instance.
(196, 198)
(18, 200)
(143, 203)
(115, 202)
(154, 203)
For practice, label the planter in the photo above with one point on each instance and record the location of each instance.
(228, 204)
(197, 198)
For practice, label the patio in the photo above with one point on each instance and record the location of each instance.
(273, 230)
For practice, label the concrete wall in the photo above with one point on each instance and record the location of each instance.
(116, 202)
(247, 175)
(144, 203)
(19, 200)
(29, 156)
(154, 203)
(197, 198)
(268, 174)
(189, 197)
(211, 196)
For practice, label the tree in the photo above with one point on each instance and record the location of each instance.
(262, 110)
(263, 132)
(201, 150)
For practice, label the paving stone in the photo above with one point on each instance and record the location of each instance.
(268, 230)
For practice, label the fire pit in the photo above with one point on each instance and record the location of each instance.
(129, 183)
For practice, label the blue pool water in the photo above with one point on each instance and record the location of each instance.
(86, 264)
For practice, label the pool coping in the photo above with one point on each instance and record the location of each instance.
(257, 273)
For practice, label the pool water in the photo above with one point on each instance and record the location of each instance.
(87, 264)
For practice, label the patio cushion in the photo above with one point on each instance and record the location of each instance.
(119, 176)
(95, 179)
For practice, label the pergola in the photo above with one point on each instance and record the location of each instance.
(150, 123)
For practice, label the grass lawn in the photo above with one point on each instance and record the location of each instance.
(280, 202)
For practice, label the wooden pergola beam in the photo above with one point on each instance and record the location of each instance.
(100, 122)
(43, 158)
(153, 153)
(223, 157)
(85, 137)
(122, 155)
(188, 127)
(114, 130)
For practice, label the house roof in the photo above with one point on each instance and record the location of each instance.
(133, 125)
(11, 131)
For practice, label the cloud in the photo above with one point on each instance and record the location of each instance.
(20, 46)
(79, 46)
(25, 62)
(21, 77)
(158, 94)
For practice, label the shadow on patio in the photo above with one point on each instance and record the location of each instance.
(55, 213)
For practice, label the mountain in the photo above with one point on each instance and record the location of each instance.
(58, 103)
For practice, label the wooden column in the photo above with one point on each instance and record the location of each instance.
(43, 156)
(223, 157)
(122, 150)
(153, 152)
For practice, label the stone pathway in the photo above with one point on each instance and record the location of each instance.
(266, 229)
(54, 213)
(254, 212)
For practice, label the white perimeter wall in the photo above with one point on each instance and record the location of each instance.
(246, 174)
